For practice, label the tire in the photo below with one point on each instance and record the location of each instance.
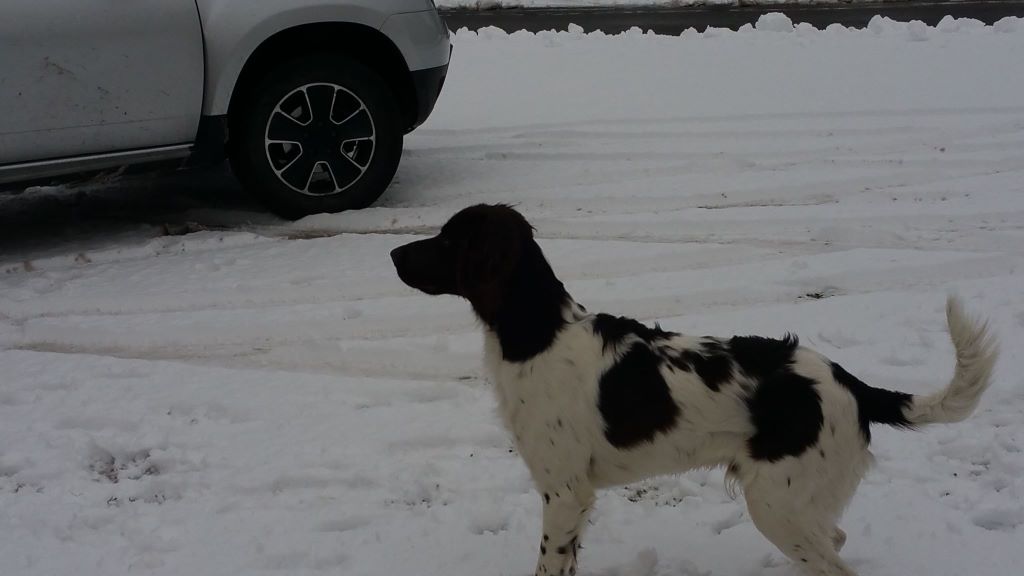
(320, 133)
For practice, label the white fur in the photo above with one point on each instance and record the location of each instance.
(550, 405)
(976, 355)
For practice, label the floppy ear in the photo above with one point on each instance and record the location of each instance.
(486, 264)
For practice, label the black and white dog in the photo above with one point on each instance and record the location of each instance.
(595, 400)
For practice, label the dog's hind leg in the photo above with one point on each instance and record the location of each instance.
(808, 543)
(799, 524)
(565, 513)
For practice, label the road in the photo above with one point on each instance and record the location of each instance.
(673, 20)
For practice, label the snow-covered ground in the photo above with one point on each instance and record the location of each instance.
(270, 399)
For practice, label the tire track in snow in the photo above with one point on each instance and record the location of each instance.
(444, 335)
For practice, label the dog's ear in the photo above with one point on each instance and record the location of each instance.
(489, 258)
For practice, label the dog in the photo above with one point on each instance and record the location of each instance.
(595, 400)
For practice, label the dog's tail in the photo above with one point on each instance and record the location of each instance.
(976, 353)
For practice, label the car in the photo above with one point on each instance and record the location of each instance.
(308, 100)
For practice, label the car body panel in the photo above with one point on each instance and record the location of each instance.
(84, 77)
(422, 38)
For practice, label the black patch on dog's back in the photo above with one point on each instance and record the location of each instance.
(711, 363)
(759, 357)
(874, 404)
(614, 329)
(786, 413)
(635, 400)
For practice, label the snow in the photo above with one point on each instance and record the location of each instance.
(493, 4)
(774, 22)
(267, 398)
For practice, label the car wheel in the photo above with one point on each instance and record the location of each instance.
(317, 134)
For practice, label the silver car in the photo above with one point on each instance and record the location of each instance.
(308, 99)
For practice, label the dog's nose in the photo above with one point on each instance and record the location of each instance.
(397, 254)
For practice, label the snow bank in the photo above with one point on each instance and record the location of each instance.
(492, 4)
(639, 75)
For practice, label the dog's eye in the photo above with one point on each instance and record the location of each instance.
(446, 243)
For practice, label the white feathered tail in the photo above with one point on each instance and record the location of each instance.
(976, 353)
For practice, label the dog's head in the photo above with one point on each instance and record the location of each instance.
(474, 256)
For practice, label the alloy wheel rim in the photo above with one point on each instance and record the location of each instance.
(320, 139)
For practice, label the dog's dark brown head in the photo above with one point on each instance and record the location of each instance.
(487, 254)
(473, 254)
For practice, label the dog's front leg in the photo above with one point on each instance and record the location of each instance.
(565, 513)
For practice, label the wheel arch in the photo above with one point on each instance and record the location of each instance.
(241, 40)
(359, 42)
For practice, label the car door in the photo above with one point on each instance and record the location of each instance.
(84, 77)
